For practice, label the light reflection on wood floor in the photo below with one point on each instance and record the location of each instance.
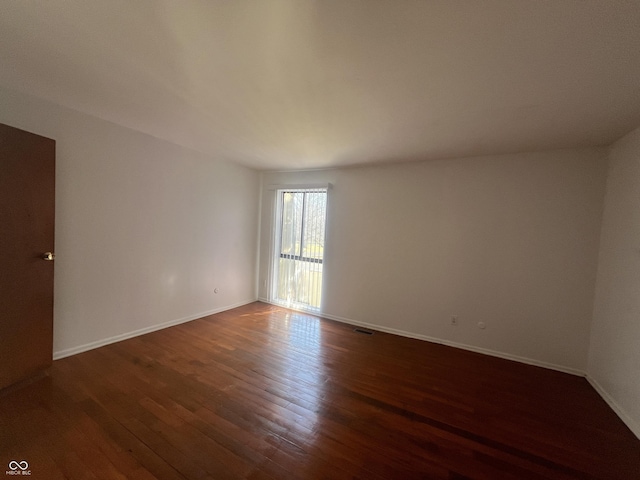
(262, 392)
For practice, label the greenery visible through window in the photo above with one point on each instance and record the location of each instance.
(302, 215)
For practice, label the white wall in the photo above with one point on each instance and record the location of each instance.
(145, 230)
(614, 356)
(508, 240)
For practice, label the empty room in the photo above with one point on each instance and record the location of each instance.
(320, 239)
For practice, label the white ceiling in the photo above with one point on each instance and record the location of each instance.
(289, 84)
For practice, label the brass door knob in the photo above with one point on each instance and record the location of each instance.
(49, 256)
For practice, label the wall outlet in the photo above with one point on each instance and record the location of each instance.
(453, 320)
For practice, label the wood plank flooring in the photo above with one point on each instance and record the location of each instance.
(262, 392)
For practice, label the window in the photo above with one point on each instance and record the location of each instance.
(299, 251)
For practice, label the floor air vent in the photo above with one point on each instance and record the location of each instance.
(366, 332)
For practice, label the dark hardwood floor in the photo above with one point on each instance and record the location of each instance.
(262, 392)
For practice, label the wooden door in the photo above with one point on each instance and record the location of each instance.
(27, 196)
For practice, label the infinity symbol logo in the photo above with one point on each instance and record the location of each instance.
(23, 465)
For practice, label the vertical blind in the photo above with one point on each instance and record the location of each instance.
(300, 249)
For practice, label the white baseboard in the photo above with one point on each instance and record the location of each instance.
(626, 418)
(117, 338)
(485, 351)
(417, 336)
(633, 426)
